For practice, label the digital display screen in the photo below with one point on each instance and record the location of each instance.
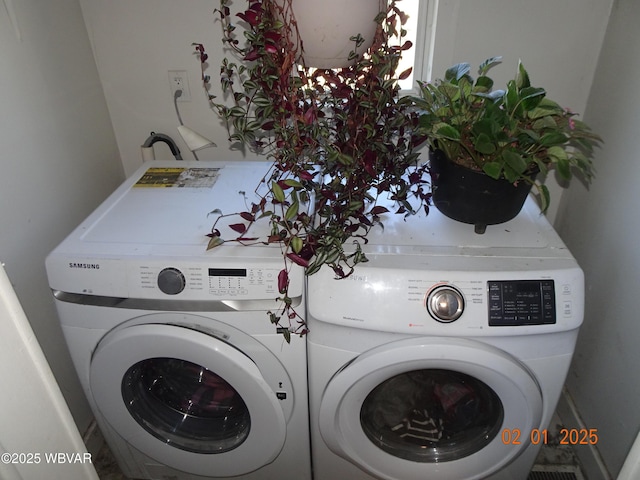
(522, 302)
(227, 272)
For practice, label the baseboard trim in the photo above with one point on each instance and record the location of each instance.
(592, 464)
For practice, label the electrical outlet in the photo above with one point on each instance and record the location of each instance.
(178, 80)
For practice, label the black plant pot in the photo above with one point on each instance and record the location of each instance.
(472, 197)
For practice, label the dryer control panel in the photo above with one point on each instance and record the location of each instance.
(438, 302)
(521, 302)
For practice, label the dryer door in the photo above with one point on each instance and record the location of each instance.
(430, 406)
(190, 400)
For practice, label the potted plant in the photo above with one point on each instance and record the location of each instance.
(340, 139)
(487, 146)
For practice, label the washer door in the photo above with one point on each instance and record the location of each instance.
(430, 407)
(189, 400)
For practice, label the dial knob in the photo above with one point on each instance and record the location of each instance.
(445, 304)
(171, 281)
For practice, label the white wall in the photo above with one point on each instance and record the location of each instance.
(601, 226)
(136, 43)
(58, 158)
(558, 42)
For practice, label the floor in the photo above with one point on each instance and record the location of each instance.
(106, 465)
(555, 462)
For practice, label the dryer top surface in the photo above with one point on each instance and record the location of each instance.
(528, 235)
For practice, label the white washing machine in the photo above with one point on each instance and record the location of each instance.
(186, 376)
(444, 356)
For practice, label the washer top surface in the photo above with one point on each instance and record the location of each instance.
(171, 205)
(156, 224)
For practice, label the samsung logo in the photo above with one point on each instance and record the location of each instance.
(358, 278)
(88, 266)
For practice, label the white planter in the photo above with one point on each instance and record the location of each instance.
(326, 26)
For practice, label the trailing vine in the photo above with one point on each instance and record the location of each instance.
(341, 140)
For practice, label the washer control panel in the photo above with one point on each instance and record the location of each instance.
(521, 302)
(202, 282)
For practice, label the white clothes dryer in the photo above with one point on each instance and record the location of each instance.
(445, 355)
(185, 374)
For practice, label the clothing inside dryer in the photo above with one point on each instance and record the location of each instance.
(431, 415)
(186, 405)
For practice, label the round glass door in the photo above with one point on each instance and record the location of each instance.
(186, 405)
(431, 415)
(189, 400)
(429, 406)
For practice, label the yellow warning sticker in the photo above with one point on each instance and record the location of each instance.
(179, 178)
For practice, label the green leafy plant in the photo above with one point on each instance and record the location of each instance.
(511, 134)
(340, 139)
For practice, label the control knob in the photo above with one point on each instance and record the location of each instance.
(171, 281)
(445, 304)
